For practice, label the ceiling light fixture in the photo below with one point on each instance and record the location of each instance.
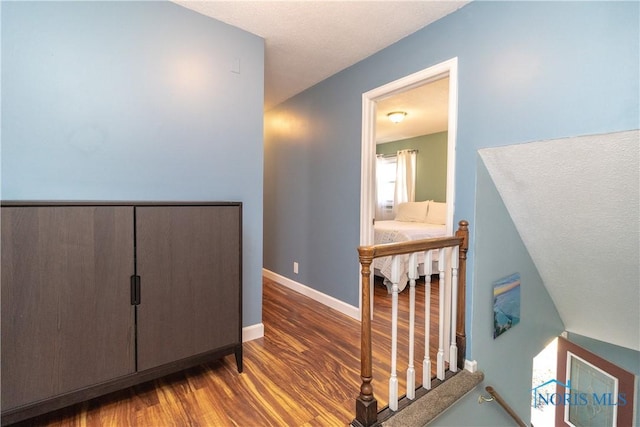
(396, 116)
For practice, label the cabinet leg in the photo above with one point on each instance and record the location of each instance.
(239, 358)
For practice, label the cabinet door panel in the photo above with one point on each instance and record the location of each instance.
(188, 259)
(67, 321)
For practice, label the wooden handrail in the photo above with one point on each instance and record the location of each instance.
(496, 396)
(402, 248)
(366, 403)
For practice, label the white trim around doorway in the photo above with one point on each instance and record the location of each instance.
(368, 150)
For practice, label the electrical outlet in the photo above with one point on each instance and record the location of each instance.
(295, 267)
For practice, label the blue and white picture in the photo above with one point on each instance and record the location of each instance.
(506, 304)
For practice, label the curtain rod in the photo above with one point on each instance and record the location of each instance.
(395, 154)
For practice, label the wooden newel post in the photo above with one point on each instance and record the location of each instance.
(461, 340)
(366, 404)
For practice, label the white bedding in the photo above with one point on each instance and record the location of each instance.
(401, 231)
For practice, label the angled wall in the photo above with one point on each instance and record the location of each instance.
(577, 208)
(506, 361)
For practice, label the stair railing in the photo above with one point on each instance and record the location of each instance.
(366, 403)
(495, 396)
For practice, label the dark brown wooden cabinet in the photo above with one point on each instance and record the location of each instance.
(101, 296)
(178, 251)
(63, 271)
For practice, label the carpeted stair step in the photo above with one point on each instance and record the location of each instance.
(435, 401)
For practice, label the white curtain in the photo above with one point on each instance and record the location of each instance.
(385, 186)
(380, 199)
(405, 177)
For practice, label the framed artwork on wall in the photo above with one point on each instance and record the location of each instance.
(506, 304)
(588, 378)
(597, 392)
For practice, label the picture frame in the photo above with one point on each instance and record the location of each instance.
(506, 304)
(587, 381)
(597, 393)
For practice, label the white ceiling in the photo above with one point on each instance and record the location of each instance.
(308, 41)
(427, 112)
(576, 204)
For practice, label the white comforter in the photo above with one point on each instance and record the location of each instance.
(400, 231)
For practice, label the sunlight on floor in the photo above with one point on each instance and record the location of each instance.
(544, 369)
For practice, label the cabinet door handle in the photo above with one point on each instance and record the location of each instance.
(135, 290)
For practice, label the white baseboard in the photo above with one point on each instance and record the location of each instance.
(329, 301)
(470, 365)
(253, 332)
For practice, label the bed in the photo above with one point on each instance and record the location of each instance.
(413, 221)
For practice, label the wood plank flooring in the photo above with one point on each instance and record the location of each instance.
(305, 371)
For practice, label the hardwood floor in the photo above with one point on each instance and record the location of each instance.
(303, 372)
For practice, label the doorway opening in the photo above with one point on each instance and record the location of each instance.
(370, 102)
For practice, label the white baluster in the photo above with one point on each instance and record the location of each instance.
(393, 379)
(411, 372)
(453, 349)
(440, 358)
(426, 363)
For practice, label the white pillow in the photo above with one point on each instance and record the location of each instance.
(412, 211)
(437, 213)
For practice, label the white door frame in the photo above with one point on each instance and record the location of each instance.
(367, 179)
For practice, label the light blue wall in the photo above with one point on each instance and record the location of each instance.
(507, 361)
(527, 71)
(134, 101)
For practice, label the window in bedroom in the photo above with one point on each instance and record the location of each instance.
(385, 186)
